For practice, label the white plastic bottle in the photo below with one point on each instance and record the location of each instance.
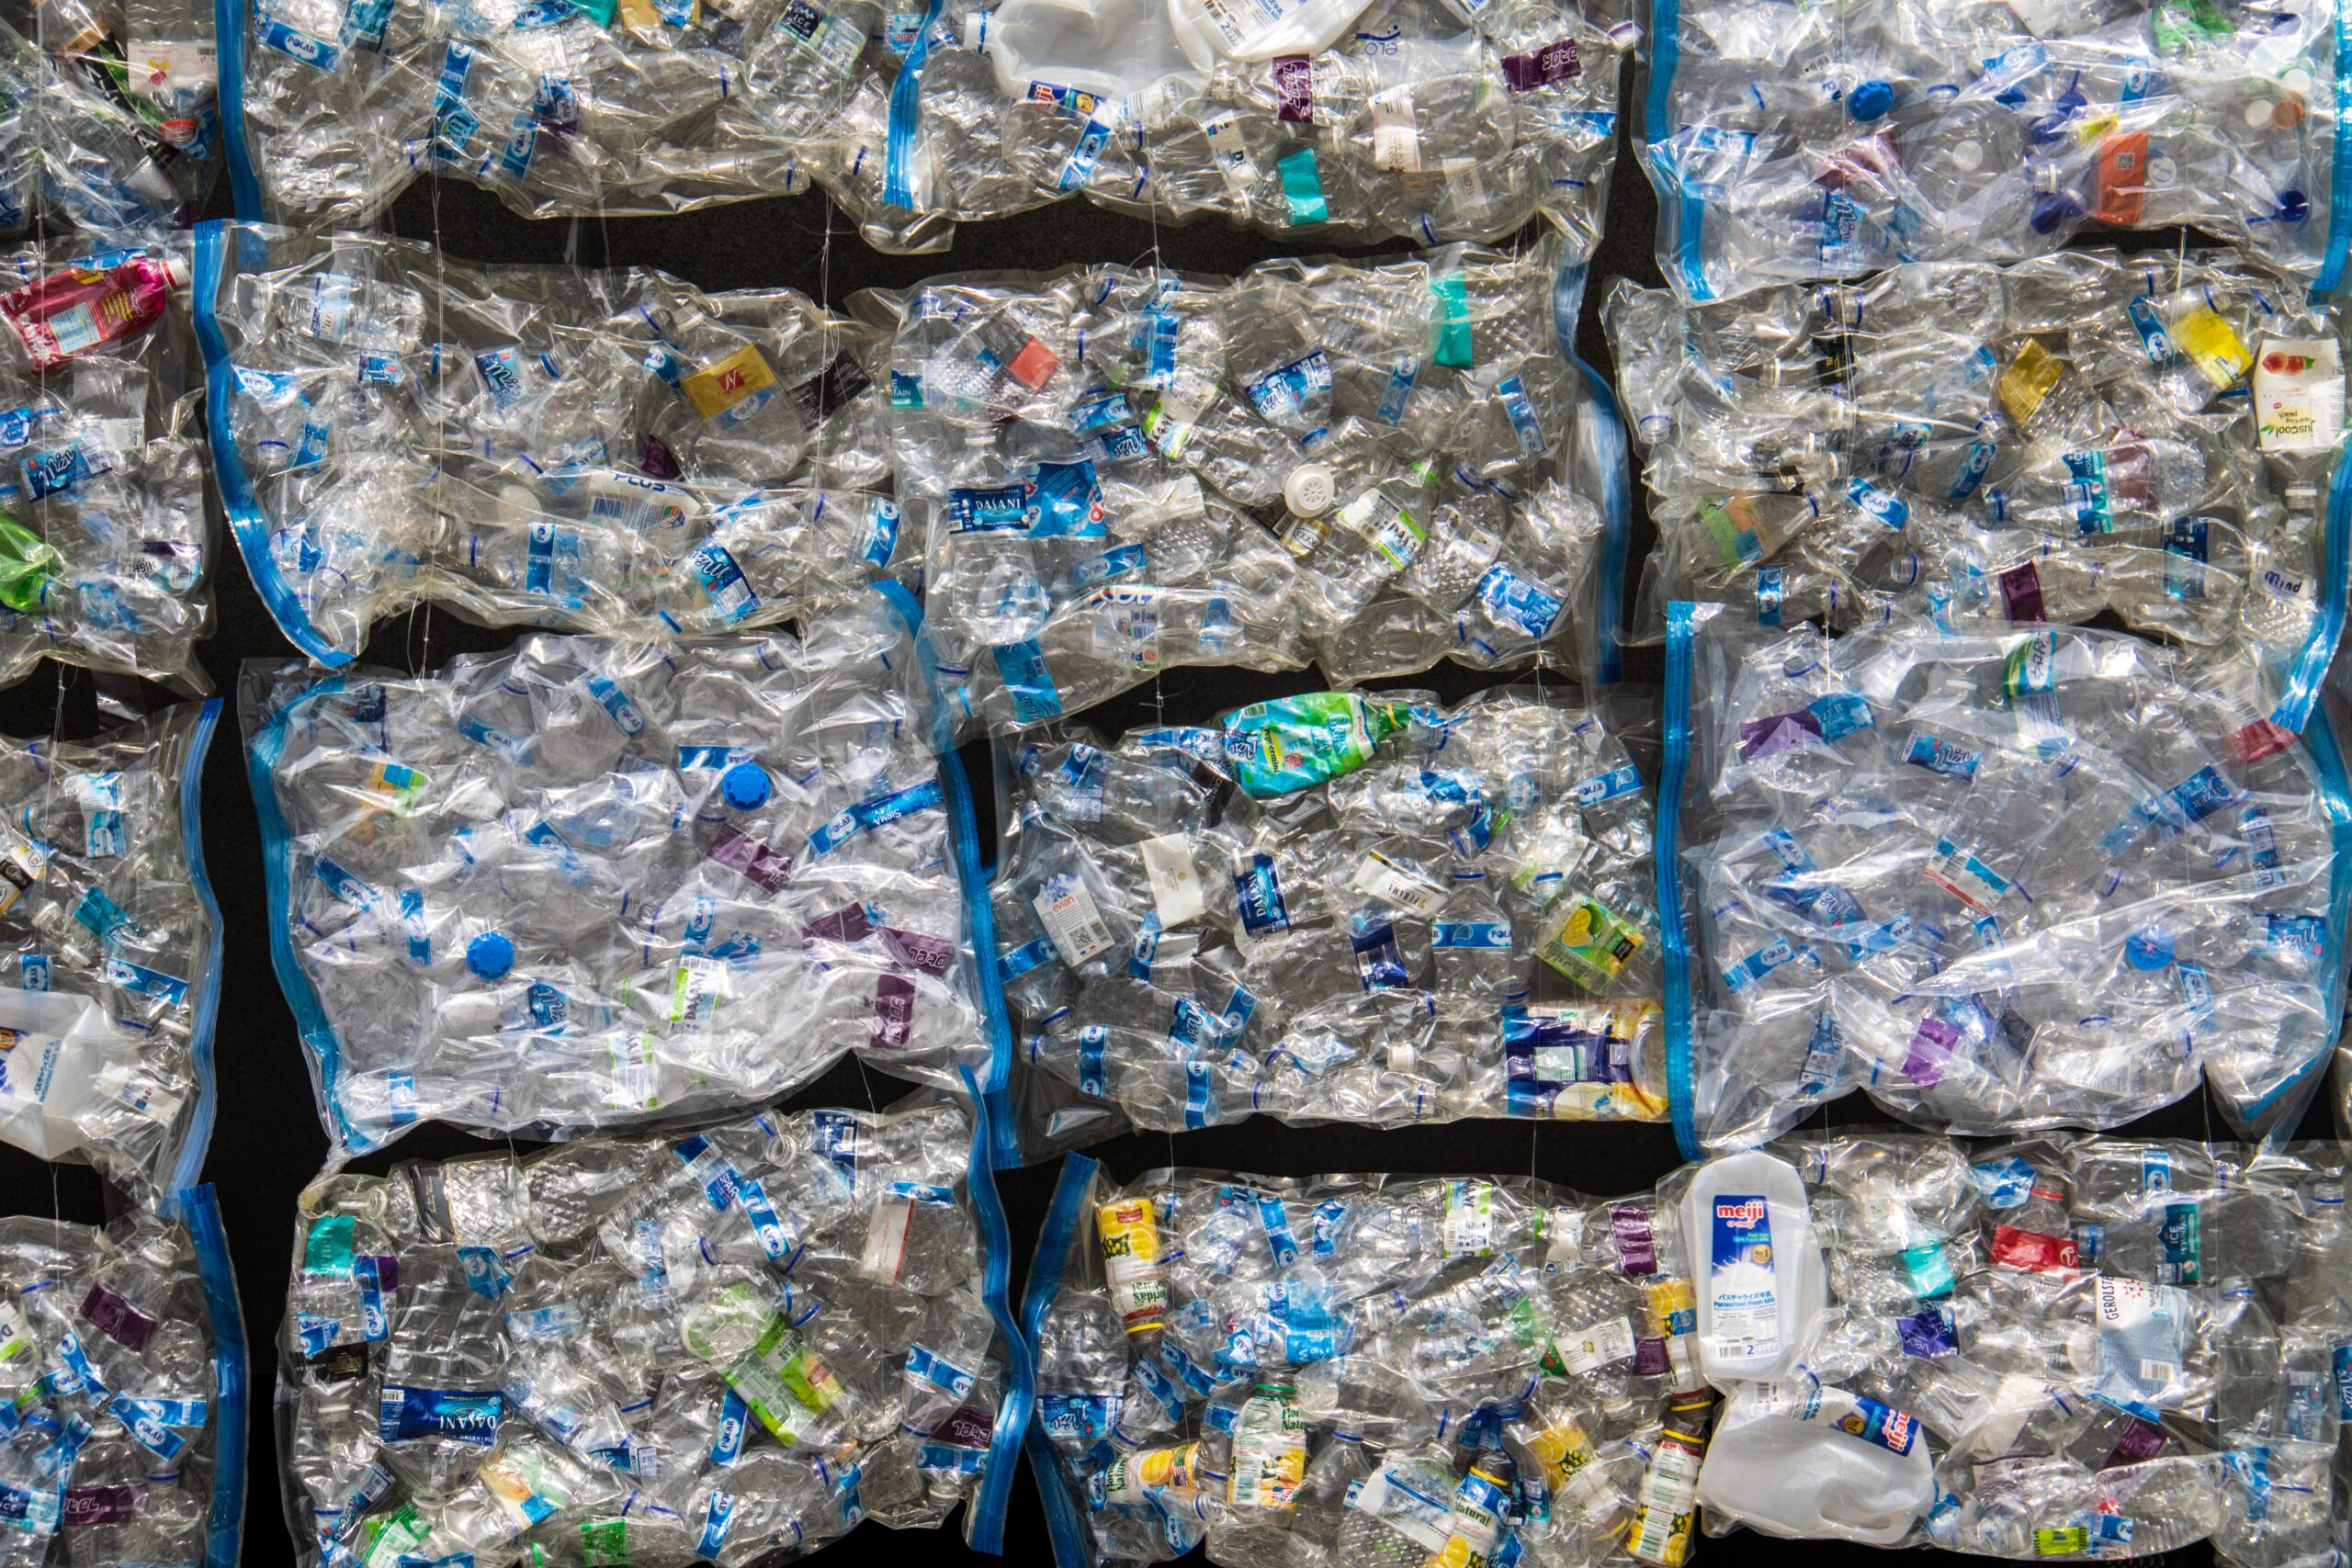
(1761, 1286)
(1250, 30)
(1805, 1462)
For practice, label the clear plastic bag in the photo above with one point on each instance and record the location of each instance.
(106, 532)
(1117, 473)
(1446, 913)
(112, 952)
(730, 1345)
(1997, 882)
(2153, 438)
(591, 882)
(613, 452)
(1365, 1368)
(125, 1369)
(1790, 144)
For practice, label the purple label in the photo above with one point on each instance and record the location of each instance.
(1555, 62)
(1926, 1334)
(894, 1010)
(657, 460)
(123, 1323)
(969, 1428)
(1931, 1046)
(1295, 89)
(2022, 593)
(837, 384)
(740, 853)
(915, 951)
(1760, 737)
(2141, 1442)
(846, 925)
(100, 1505)
(388, 1271)
(1650, 1359)
(1636, 1251)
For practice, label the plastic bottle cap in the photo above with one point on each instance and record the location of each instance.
(175, 269)
(2052, 211)
(2149, 948)
(1968, 155)
(1870, 100)
(745, 785)
(976, 31)
(490, 955)
(1310, 489)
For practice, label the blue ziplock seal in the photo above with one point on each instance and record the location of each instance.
(906, 106)
(225, 1523)
(964, 830)
(247, 520)
(229, 19)
(987, 1519)
(2309, 671)
(278, 871)
(189, 1167)
(1616, 500)
(1047, 1269)
(1666, 866)
(2339, 177)
(1682, 210)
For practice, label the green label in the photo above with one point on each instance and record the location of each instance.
(327, 1252)
(1453, 347)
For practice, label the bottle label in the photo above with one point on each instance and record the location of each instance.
(1397, 888)
(1073, 921)
(1468, 1229)
(1743, 1280)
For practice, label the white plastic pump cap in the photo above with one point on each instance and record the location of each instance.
(1310, 489)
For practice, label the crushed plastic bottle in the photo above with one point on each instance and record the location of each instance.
(106, 545)
(1786, 147)
(726, 1346)
(1991, 447)
(1997, 882)
(1112, 473)
(591, 881)
(611, 452)
(1336, 906)
(109, 952)
(1363, 1370)
(123, 1356)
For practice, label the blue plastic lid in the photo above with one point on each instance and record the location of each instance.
(490, 955)
(1870, 100)
(745, 785)
(2150, 947)
(2050, 211)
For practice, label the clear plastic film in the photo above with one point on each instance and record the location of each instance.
(605, 451)
(122, 1362)
(1363, 1370)
(729, 1345)
(1338, 908)
(1116, 472)
(1997, 882)
(591, 883)
(110, 123)
(106, 537)
(2059, 1348)
(1403, 118)
(109, 952)
(2154, 438)
(1789, 144)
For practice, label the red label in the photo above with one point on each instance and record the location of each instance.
(2122, 178)
(2032, 1249)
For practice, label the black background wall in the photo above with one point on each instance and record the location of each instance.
(269, 1145)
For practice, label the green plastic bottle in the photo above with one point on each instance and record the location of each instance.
(26, 563)
(1293, 743)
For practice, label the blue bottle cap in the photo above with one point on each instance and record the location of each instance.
(745, 785)
(1870, 100)
(490, 955)
(2149, 948)
(2051, 211)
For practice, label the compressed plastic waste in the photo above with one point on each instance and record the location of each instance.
(2154, 438)
(612, 451)
(727, 1346)
(111, 124)
(122, 1357)
(1363, 908)
(1400, 118)
(593, 881)
(109, 952)
(2059, 1348)
(1789, 144)
(1114, 472)
(1997, 882)
(106, 545)
(1363, 1370)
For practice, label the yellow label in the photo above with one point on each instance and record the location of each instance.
(714, 388)
(2211, 342)
(639, 16)
(1561, 1450)
(2029, 379)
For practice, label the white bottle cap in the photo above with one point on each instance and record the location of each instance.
(1310, 489)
